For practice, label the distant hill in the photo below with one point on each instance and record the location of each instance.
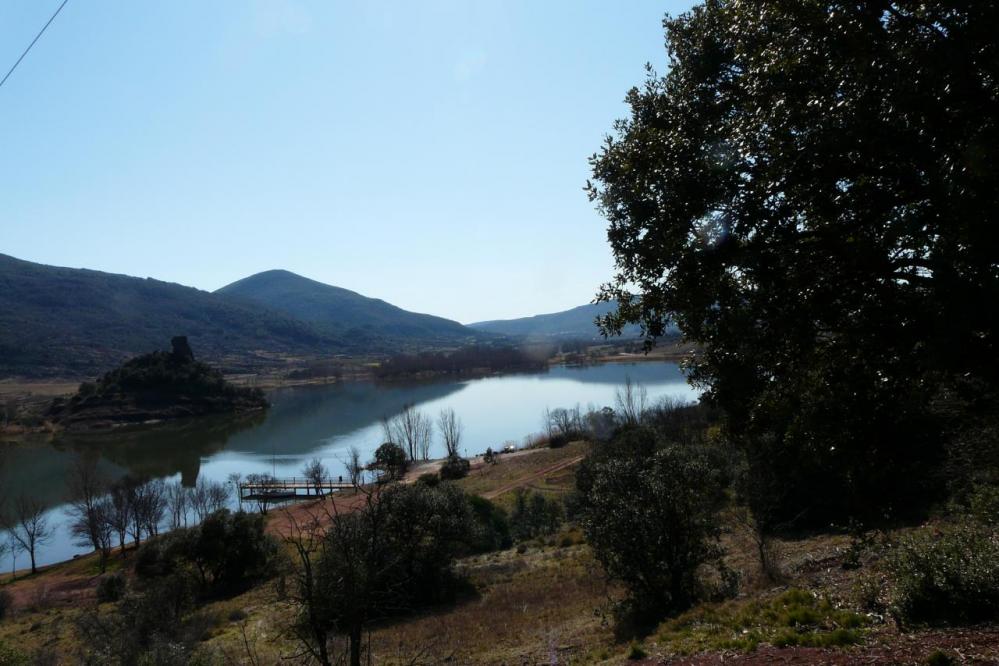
(575, 324)
(344, 312)
(78, 322)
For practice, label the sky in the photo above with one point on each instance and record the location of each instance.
(429, 153)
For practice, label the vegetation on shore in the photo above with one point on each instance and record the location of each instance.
(156, 386)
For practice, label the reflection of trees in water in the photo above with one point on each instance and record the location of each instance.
(39, 467)
(163, 450)
(33, 467)
(642, 372)
(302, 418)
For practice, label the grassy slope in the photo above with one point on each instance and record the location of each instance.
(552, 600)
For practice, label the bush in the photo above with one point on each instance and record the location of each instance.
(429, 479)
(228, 550)
(455, 467)
(6, 603)
(534, 515)
(652, 521)
(491, 529)
(111, 587)
(938, 576)
(391, 459)
(231, 549)
(10, 656)
(983, 504)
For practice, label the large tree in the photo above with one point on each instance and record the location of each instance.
(810, 192)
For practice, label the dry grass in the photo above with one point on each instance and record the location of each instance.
(526, 608)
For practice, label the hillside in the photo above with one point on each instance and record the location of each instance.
(78, 322)
(158, 386)
(577, 324)
(342, 311)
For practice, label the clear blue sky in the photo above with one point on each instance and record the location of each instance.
(429, 153)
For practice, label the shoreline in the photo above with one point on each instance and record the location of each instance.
(271, 518)
(35, 396)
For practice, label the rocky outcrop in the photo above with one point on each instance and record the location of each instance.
(155, 387)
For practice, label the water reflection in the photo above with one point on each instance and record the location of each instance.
(318, 421)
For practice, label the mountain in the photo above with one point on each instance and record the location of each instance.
(78, 322)
(343, 312)
(577, 324)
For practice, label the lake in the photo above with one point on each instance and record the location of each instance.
(316, 421)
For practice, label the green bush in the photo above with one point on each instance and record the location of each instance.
(455, 467)
(391, 459)
(983, 504)
(228, 550)
(111, 587)
(534, 515)
(151, 627)
(945, 575)
(10, 656)
(429, 479)
(651, 517)
(491, 530)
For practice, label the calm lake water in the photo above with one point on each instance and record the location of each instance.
(316, 421)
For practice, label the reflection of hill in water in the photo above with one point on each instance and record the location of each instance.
(164, 450)
(642, 372)
(37, 469)
(301, 419)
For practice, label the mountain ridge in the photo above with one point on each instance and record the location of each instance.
(340, 310)
(575, 323)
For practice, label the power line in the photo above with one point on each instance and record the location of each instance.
(52, 18)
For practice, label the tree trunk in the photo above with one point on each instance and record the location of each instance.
(31, 551)
(355, 645)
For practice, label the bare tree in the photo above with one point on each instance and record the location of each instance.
(355, 468)
(451, 430)
(261, 497)
(632, 402)
(412, 430)
(30, 527)
(316, 473)
(89, 511)
(207, 497)
(155, 505)
(120, 510)
(235, 478)
(177, 500)
(218, 496)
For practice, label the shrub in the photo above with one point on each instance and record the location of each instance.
(231, 549)
(391, 459)
(948, 575)
(983, 504)
(227, 550)
(10, 656)
(429, 479)
(111, 587)
(636, 652)
(534, 515)
(6, 603)
(491, 530)
(455, 467)
(652, 522)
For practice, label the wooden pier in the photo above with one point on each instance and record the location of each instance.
(287, 489)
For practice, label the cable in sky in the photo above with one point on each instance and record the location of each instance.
(52, 18)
